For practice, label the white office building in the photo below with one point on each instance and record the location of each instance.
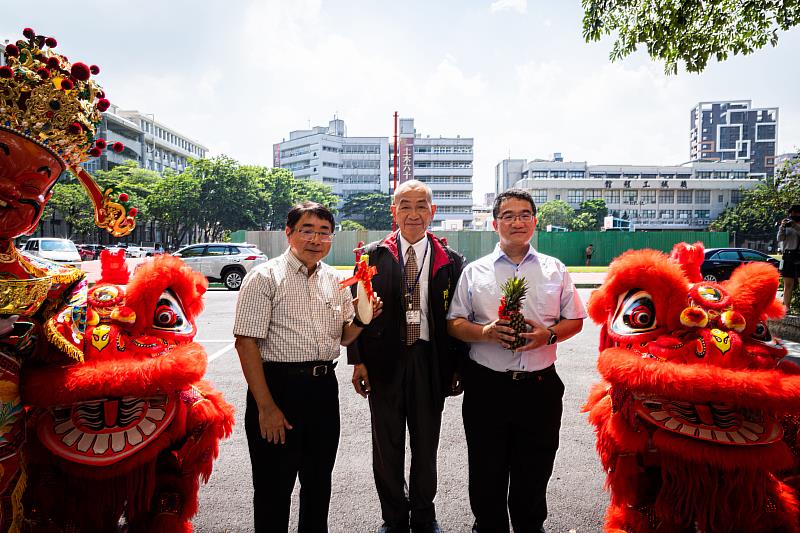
(149, 143)
(362, 164)
(685, 196)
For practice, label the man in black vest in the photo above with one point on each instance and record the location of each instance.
(405, 361)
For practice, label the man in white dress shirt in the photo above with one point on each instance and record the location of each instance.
(513, 398)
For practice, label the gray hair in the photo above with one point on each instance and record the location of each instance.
(412, 185)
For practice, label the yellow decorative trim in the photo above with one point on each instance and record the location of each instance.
(61, 343)
(16, 499)
(23, 296)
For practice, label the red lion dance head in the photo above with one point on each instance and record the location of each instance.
(693, 415)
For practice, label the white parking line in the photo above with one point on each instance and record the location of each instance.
(220, 353)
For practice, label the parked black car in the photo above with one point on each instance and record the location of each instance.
(721, 262)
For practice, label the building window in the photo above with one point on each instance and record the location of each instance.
(703, 174)
(666, 197)
(539, 196)
(736, 196)
(575, 196)
(558, 173)
(702, 213)
(594, 194)
(720, 198)
(577, 174)
(649, 197)
(684, 214)
(666, 214)
(684, 197)
(702, 197)
(538, 173)
(648, 213)
(612, 197)
(630, 197)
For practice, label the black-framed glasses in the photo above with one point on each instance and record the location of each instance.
(511, 217)
(308, 235)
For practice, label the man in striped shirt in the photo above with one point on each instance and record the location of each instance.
(291, 318)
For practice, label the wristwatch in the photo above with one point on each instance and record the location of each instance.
(358, 323)
(553, 337)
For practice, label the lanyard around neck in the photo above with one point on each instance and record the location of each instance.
(411, 288)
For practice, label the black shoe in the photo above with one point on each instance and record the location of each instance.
(430, 527)
(388, 528)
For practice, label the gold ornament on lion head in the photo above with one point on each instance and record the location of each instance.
(54, 104)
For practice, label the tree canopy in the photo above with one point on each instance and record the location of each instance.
(556, 213)
(761, 208)
(371, 209)
(688, 31)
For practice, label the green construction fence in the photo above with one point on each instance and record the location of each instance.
(567, 246)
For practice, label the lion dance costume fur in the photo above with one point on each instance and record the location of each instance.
(104, 417)
(696, 414)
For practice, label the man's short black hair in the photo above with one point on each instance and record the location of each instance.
(313, 208)
(519, 194)
(795, 208)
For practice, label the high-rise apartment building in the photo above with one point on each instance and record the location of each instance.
(363, 164)
(735, 131)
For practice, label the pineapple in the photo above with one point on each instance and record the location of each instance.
(514, 290)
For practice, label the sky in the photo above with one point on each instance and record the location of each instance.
(516, 75)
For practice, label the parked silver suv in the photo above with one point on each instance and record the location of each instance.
(221, 261)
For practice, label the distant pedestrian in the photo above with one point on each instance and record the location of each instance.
(589, 251)
(789, 241)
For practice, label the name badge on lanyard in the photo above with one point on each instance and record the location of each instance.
(413, 316)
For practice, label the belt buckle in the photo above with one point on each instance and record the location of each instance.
(518, 376)
(319, 370)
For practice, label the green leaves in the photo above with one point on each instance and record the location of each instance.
(371, 209)
(688, 31)
(762, 207)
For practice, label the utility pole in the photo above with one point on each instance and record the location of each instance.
(394, 224)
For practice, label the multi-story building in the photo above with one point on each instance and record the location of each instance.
(326, 154)
(150, 144)
(687, 196)
(363, 164)
(735, 131)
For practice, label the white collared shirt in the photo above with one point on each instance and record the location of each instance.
(419, 249)
(551, 296)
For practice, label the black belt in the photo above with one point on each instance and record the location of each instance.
(310, 368)
(517, 375)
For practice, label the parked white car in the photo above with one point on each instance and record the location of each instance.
(220, 261)
(58, 250)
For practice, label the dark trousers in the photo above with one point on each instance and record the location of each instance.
(512, 437)
(406, 397)
(311, 405)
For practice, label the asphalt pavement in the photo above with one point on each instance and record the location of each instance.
(575, 495)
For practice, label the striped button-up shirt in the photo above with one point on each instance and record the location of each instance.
(294, 317)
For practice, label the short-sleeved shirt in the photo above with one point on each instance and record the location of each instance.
(294, 317)
(551, 296)
(789, 237)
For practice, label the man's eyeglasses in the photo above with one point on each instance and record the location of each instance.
(511, 217)
(308, 235)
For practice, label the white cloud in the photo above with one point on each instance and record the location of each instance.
(521, 6)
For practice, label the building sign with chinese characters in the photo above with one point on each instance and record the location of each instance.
(405, 165)
(276, 155)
